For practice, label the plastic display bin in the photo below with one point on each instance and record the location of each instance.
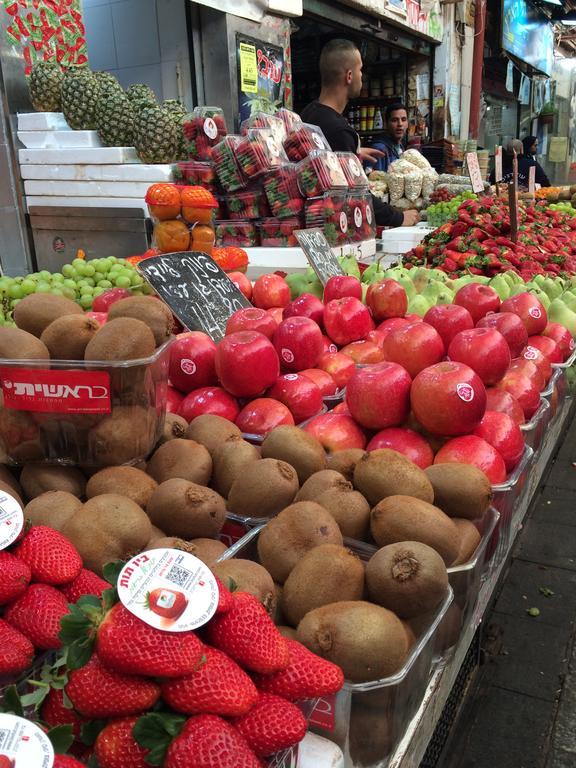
(533, 430)
(556, 398)
(506, 497)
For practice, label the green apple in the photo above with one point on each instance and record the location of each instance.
(500, 285)
(535, 290)
(419, 305)
(569, 300)
(558, 312)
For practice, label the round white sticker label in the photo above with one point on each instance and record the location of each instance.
(317, 139)
(465, 392)
(290, 376)
(530, 353)
(210, 128)
(188, 366)
(273, 147)
(333, 161)
(332, 348)
(353, 165)
(11, 520)
(369, 214)
(287, 355)
(357, 217)
(535, 312)
(343, 222)
(168, 589)
(24, 744)
(571, 344)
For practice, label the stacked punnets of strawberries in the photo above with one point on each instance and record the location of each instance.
(302, 140)
(247, 204)
(278, 233)
(320, 172)
(196, 172)
(226, 165)
(353, 170)
(236, 233)
(274, 123)
(259, 151)
(281, 188)
(331, 214)
(361, 220)
(479, 242)
(205, 128)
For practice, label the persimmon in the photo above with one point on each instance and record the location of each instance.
(171, 236)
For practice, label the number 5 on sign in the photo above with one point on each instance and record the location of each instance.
(474, 172)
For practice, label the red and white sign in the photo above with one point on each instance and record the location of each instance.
(37, 389)
(324, 713)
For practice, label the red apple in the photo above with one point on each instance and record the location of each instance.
(395, 322)
(484, 350)
(104, 301)
(503, 434)
(414, 346)
(192, 361)
(322, 379)
(336, 431)
(529, 310)
(478, 299)
(262, 415)
(270, 291)
(306, 305)
(502, 401)
(540, 361)
(378, 396)
(299, 394)
(341, 408)
(328, 345)
(377, 337)
(524, 390)
(173, 399)
(449, 319)
(529, 369)
(339, 366)
(298, 342)
(242, 283)
(548, 347)
(405, 441)
(251, 319)
(277, 313)
(412, 317)
(341, 286)
(347, 320)
(510, 326)
(562, 337)
(385, 299)
(363, 352)
(448, 399)
(213, 400)
(246, 363)
(471, 449)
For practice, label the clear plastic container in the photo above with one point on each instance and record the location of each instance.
(263, 120)
(362, 222)
(204, 130)
(195, 172)
(320, 172)
(259, 152)
(568, 363)
(291, 120)
(282, 192)
(331, 401)
(551, 383)
(353, 170)
(533, 430)
(259, 439)
(226, 165)
(505, 498)
(331, 214)
(302, 140)
(134, 392)
(556, 392)
(236, 232)
(279, 233)
(246, 204)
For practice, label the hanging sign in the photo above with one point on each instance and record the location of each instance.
(532, 179)
(474, 172)
(319, 254)
(261, 76)
(498, 164)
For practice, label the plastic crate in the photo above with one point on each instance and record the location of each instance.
(237, 233)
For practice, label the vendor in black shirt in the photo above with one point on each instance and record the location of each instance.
(341, 75)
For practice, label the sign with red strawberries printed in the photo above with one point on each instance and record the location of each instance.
(11, 520)
(24, 743)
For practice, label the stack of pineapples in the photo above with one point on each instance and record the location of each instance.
(97, 101)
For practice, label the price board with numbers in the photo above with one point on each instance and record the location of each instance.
(319, 254)
(199, 293)
(474, 172)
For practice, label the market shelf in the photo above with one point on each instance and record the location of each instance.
(413, 746)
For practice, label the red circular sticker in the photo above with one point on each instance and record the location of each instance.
(465, 392)
(188, 366)
(535, 312)
(287, 355)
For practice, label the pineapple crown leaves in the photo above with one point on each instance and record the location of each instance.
(155, 731)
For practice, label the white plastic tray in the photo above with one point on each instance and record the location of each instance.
(59, 139)
(402, 239)
(75, 189)
(128, 172)
(79, 156)
(87, 202)
(42, 121)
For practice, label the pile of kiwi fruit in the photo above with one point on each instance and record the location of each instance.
(54, 328)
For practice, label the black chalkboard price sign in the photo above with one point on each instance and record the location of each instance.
(199, 293)
(319, 254)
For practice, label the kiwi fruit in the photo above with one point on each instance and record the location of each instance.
(277, 616)
(185, 509)
(248, 576)
(127, 481)
(372, 736)
(292, 533)
(17, 429)
(320, 482)
(174, 428)
(230, 458)
(263, 488)
(128, 432)
(350, 510)
(8, 479)
(288, 632)
(406, 518)
(154, 536)
(108, 527)
(469, 537)
(460, 490)
(121, 339)
(67, 337)
(35, 312)
(16, 344)
(384, 472)
(207, 550)
(345, 461)
(5, 488)
(366, 641)
(53, 508)
(324, 575)
(409, 578)
(149, 310)
(211, 430)
(298, 448)
(36, 479)
(185, 459)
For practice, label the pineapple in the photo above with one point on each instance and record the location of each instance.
(156, 135)
(141, 92)
(44, 86)
(108, 83)
(179, 115)
(174, 106)
(115, 116)
(80, 94)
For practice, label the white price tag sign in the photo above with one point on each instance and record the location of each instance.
(532, 179)
(498, 164)
(474, 172)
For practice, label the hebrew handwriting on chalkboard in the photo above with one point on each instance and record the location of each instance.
(319, 253)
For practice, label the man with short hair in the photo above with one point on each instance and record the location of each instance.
(341, 78)
(392, 143)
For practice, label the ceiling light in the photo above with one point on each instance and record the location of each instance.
(553, 2)
(569, 22)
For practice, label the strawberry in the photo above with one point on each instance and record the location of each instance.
(207, 741)
(225, 601)
(65, 761)
(15, 576)
(116, 747)
(218, 687)
(86, 583)
(6, 762)
(306, 676)
(16, 651)
(248, 635)
(271, 725)
(37, 614)
(127, 644)
(51, 557)
(96, 691)
(55, 712)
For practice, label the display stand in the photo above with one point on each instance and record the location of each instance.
(411, 749)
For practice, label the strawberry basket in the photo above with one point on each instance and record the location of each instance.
(282, 192)
(302, 140)
(320, 172)
(259, 151)
(237, 233)
(226, 165)
(205, 128)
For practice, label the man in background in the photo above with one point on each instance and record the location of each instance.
(392, 143)
(341, 79)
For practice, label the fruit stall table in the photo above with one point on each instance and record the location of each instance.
(263, 260)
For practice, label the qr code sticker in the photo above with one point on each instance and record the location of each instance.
(179, 575)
